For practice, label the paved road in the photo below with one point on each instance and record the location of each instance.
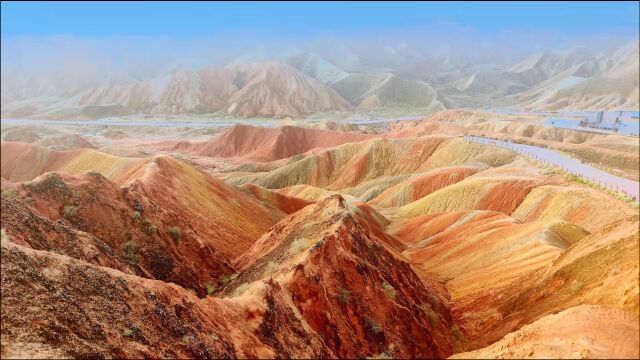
(186, 121)
(568, 164)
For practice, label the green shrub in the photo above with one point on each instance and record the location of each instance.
(433, 318)
(211, 288)
(135, 215)
(149, 228)
(433, 300)
(69, 211)
(343, 298)
(458, 338)
(225, 279)
(373, 326)
(127, 332)
(389, 290)
(186, 338)
(130, 251)
(240, 289)
(9, 193)
(176, 233)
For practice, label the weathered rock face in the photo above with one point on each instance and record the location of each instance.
(399, 246)
(224, 217)
(179, 194)
(342, 291)
(54, 306)
(350, 285)
(90, 218)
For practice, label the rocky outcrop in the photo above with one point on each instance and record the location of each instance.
(351, 286)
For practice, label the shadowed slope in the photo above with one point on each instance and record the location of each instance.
(287, 204)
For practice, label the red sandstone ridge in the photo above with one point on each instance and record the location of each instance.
(180, 194)
(224, 216)
(172, 222)
(349, 284)
(585, 332)
(90, 218)
(336, 292)
(78, 310)
(267, 144)
(417, 246)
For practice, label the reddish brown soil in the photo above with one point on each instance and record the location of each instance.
(76, 309)
(223, 216)
(441, 260)
(351, 286)
(91, 219)
(267, 144)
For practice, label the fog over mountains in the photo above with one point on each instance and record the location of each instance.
(72, 78)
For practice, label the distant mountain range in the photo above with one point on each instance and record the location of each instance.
(302, 83)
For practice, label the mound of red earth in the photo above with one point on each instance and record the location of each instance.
(585, 332)
(204, 206)
(349, 284)
(319, 284)
(267, 144)
(54, 306)
(171, 222)
(91, 219)
(437, 246)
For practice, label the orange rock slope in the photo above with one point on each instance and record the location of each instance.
(317, 244)
(319, 284)
(178, 191)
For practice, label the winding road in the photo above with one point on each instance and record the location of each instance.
(629, 187)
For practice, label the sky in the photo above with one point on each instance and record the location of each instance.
(301, 19)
